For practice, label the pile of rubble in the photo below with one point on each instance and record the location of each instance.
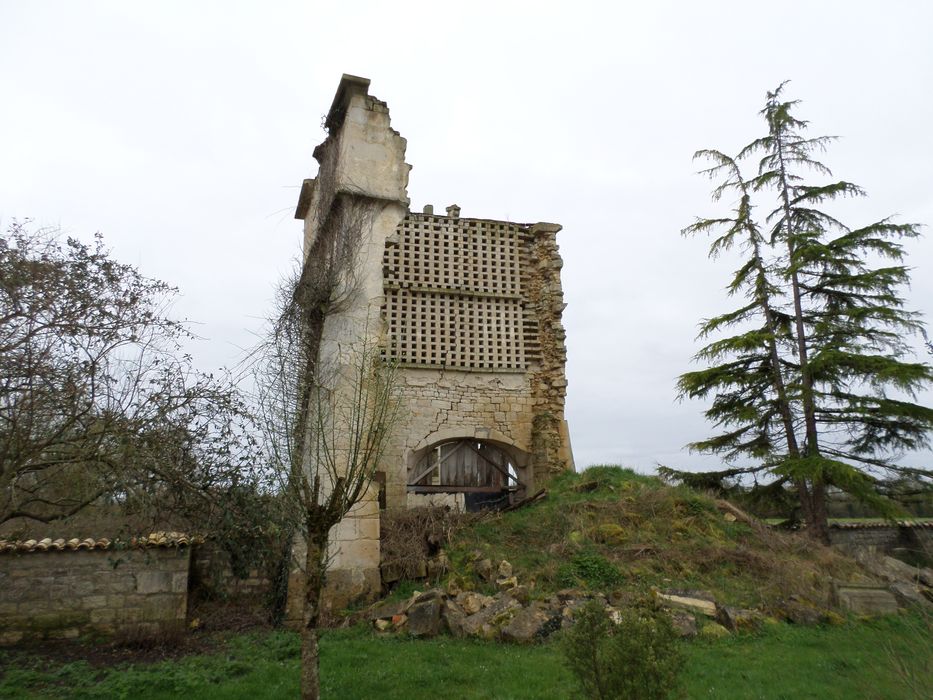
(513, 615)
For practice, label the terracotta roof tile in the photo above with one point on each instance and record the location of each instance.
(153, 539)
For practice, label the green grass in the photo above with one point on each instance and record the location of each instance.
(610, 528)
(847, 661)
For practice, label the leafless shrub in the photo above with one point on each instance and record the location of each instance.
(99, 405)
(410, 537)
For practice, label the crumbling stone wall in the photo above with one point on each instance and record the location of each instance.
(884, 537)
(469, 309)
(66, 594)
(356, 201)
(472, 312)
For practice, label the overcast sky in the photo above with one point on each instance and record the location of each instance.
(182, 131)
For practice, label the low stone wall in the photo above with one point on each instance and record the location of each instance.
(213, 575)
(64, 593)
(882, 537)
(915, 538)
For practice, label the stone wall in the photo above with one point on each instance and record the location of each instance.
(351, 579)
(442, 405)
(356, 201)
(213, 575)
(473, 319)
(914, 539)
(65, 594)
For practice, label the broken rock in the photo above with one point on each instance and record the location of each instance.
(471, 602)
(801, 613)
(520, 593)
(684, 623)
(739, 619)
(491, 615)
(387, 611)
(696, 605)
(453, 617)
(525, 626)
(424, 618)
(483, 569)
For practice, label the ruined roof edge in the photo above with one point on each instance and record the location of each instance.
(304, 198)
(349, 86)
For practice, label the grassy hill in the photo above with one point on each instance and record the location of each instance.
(610, 529)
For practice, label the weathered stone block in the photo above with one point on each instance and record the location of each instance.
(866, 600)
(424, 618)
(909, 595)
(153, 582)
(526, 625)
(389, 610)
(92, 601)
(103, 615)
(453, 616)
(696, 605)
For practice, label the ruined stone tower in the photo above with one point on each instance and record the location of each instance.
(468, 308)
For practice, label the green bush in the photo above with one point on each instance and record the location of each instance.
(635, 657)
(592, 569)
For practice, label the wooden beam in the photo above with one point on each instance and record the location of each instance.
(496, 466)
(435, 466)
(457, 489)
(526, 501)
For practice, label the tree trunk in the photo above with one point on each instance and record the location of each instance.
(314, 581)
(811, 446)
(310, 680)
(806, 502)
(815, 507)
(818, 527)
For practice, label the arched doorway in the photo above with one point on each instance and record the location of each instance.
(485, 473)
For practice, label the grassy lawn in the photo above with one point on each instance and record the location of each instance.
(848, 661)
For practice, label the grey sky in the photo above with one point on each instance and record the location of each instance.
(183, 130)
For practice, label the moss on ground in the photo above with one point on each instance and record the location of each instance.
(610, 528)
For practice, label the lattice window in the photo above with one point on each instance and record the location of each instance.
(454, 294)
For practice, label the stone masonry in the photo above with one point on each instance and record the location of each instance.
(51, 593)
(914, 538)
(468, 309)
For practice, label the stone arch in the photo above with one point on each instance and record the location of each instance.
(484, 434)
(482, 471)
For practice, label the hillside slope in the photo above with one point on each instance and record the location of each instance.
(609, 529)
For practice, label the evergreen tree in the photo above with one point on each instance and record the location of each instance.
(747, 377)
(822, 390)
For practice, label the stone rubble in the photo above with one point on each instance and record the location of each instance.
(513, 614)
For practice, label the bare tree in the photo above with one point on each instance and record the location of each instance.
(325, 423)
(98, 403)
